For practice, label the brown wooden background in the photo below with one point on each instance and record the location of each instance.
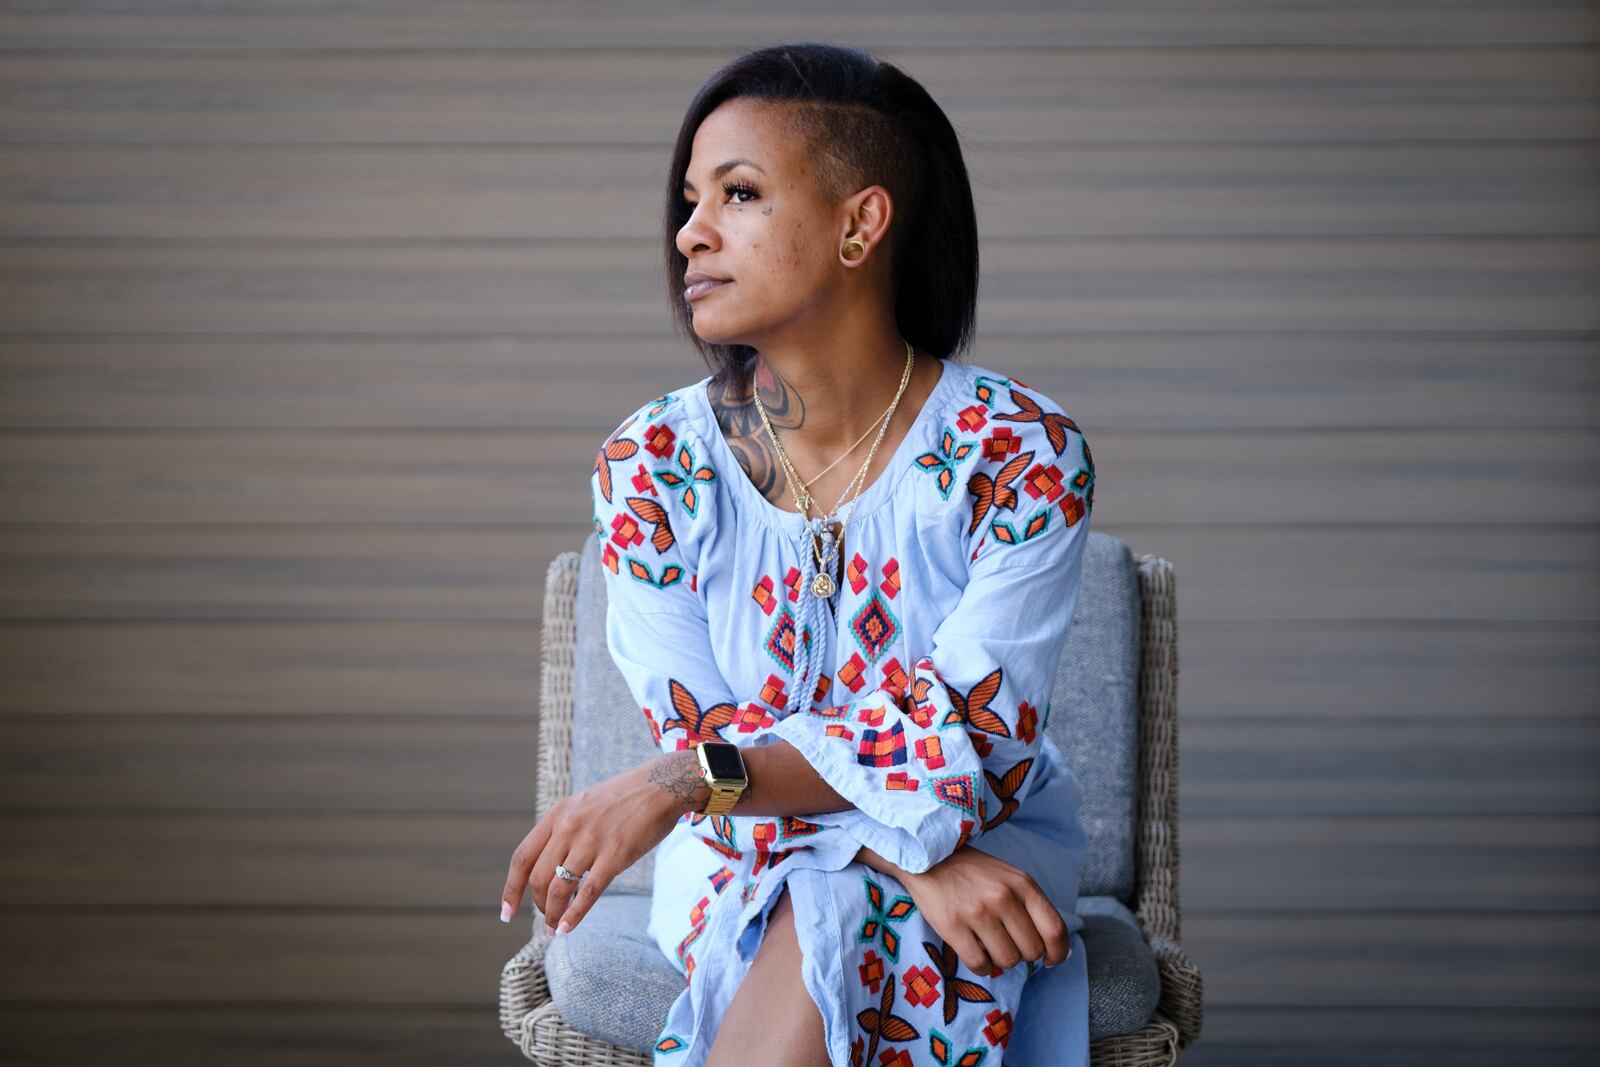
(312, 317)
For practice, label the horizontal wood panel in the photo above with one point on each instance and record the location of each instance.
(427, 765)
(328, 859)
(499, 194)
(532, 477)
(1025, 94)
(334, 859)
(1477, 1036)
(367, 955)
(1151, 382)
(1496, 961)
(1523, 766)
(257, 1035)
(251, 572)
(1093, 285)
(1232, 670)
(1484, 573)
(1329, 670)
(1387, 863)
(1498, 573)
(247, 667)
(568, 24)
(1385, 961)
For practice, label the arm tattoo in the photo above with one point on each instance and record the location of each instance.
(678, 776)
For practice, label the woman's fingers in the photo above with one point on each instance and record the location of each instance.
(969, 949)
(585, 893)
(522, 861)
(1021, 923)
(1051, 926)
(997, 943)
(556, 891)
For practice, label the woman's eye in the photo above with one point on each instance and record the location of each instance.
(731, 189)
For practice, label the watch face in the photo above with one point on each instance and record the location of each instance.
(724, 760)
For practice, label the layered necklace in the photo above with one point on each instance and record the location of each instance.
(824, 546)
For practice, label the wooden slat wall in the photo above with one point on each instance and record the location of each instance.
(311, 319)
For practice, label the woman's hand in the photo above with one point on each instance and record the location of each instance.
(601, 830)
(992, 913)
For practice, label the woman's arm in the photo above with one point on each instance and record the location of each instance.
(883, 866)
(782, 782)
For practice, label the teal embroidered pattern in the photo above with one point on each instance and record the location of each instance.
(942, 464)
(876, 927)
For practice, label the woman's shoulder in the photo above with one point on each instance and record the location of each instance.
(1019, 453)
(657, 423)
(651, 480)
(983, 395)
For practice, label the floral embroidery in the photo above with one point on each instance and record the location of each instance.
(877, 927)
(933, 745)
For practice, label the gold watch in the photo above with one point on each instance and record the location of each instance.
(722, 767)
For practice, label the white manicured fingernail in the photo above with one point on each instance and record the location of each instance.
(505, 911)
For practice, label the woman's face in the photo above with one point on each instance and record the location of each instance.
(760, 224)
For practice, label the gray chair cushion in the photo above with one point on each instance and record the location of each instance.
(1093, 717)
(608, 979)
(1124, 981)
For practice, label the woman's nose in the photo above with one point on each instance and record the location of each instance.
(695, 234)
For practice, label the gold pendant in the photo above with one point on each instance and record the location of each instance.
(822, 585)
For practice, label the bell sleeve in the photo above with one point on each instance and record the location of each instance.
(650, 491)
(939, 762)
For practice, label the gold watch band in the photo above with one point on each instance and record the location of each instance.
(723, 798)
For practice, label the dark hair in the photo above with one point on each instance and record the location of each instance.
(864, 122)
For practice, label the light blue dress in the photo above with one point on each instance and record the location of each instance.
(919, 690)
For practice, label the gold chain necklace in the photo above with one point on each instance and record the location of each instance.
(806, 484)
(823, 584)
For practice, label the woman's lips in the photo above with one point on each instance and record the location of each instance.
(699, 289)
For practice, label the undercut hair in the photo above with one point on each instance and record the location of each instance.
(864, 122)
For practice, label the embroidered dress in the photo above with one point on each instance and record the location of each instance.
(919, 691)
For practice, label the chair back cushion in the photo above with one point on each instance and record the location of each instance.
(1094, 712)
(1093, 715)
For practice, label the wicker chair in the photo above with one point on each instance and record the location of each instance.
(1145, 995)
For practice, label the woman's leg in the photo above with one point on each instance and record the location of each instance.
(772, 1019)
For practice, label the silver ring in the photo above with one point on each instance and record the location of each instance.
(566, 875)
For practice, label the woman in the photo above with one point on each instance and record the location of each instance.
(891, 875)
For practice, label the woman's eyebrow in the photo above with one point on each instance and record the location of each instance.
(723, 169)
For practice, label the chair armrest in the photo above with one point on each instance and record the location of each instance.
(522, 984)
(1182, 989)
(1156, 833)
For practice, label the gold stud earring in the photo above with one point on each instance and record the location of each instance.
(844, 249)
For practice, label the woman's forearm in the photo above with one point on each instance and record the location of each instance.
(782, 782)
(883, 866)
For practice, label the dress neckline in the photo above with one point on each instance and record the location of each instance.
(871, 498)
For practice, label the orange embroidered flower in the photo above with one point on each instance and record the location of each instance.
(922, 986)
